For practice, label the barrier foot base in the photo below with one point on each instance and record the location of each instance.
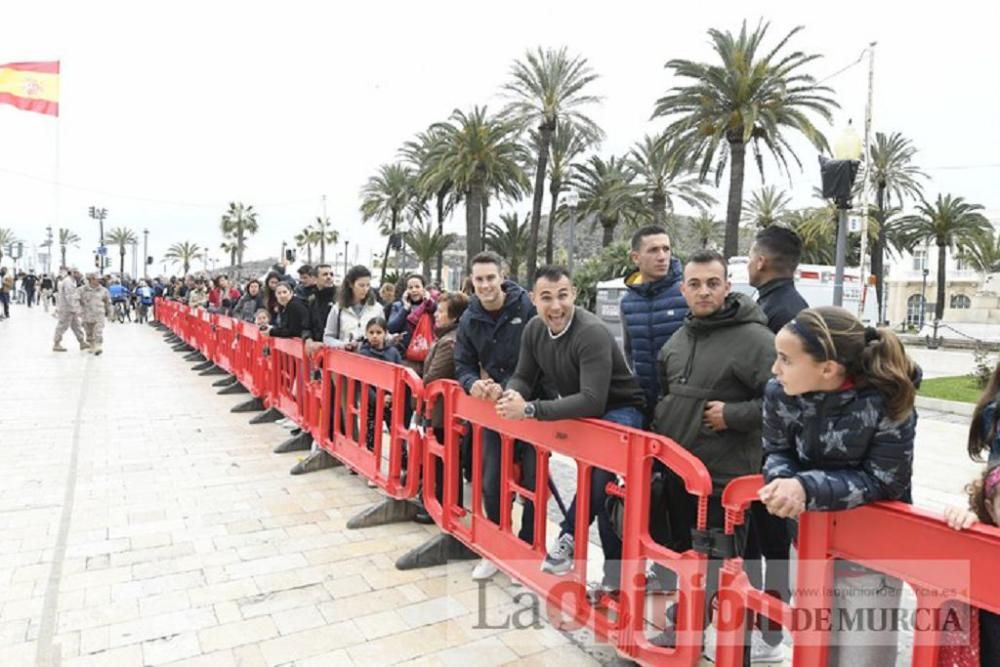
(436, 551)
(225, 382)
(297, 443)
(269, 416)
(203, 366)
(172, 338)
(389, 510)
(236, 388)
(213, 370)
(318, 460)
(253, 405)
(195, 356)
(182, 347)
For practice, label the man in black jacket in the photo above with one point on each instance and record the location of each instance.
(486, 349)
(773, 261)
(319, 302)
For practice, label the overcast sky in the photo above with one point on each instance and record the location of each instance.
(169, 110)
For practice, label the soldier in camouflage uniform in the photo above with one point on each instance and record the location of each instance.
(95, 306)
(838, 432)
(68, 306)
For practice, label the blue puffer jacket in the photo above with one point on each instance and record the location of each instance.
(840, 445)
(651, 313)
(492, 345)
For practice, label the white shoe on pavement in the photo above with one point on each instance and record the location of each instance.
(761, 651)
(559, 560)
(485, 569)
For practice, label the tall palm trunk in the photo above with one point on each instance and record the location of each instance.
(608, 228)
(659, 203)
(62, 252)
(309, 253)
(442, 193)
(474, 222)
(878, 249)
(239, 246)
(939, 306)
(550, 236)
(322, 241)
(388, 244)
(232, 257)
(187, 267)
(545, 131)
(737, 155)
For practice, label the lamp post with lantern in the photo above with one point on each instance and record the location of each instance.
(838, 177)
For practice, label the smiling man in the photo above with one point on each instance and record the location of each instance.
(571, 352)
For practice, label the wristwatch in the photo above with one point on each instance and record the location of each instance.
(529, 410)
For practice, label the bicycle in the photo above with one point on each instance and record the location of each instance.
(121, 311)
(141, 312)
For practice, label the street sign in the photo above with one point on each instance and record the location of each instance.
(102, 251)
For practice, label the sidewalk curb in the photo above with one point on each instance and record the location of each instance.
(941, 405)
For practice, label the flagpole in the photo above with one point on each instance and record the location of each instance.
(56, 194)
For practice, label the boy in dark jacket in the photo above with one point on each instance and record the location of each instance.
(374, 346)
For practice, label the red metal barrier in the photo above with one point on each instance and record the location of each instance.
(349, 383)
(288, 377)
(225, 343)
(626, 452)
(251, 364)
(908, 543)
(206, 333)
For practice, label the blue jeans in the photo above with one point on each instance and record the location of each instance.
(525, 454)
(611, 545)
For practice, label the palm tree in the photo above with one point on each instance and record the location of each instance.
(662, 168)
(384, 198)
(307, 238)
(546, 90)
(326, 235)
(766, 207)
(983, 254)
(705, 229)
(607, 192)
(229, 247)
(431, 183)
(427, 243)
(67, 238)
(892, 176)
(818, 232)
(184, 253)
(238, 222)
(479, 154)
(510, 240)
(748, 96)
(7, 237)
(567, 144)
(951, 223)
(121, 237)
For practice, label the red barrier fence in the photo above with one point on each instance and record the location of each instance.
(341, 399)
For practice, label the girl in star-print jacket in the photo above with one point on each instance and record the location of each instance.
(838, 432)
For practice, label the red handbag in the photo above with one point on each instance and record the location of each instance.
(420, 341)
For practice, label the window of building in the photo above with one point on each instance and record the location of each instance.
(915, 309)
(960, 302)
(919, 259)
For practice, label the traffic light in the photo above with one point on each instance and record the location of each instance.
(97, 261)
(149, 260)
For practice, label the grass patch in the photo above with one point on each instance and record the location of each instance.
(958, 388)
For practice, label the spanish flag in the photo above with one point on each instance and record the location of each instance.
(31, 86)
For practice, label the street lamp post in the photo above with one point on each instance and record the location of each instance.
(145, 253)
(838, 179)
(923, 295)
(345, 256)
(572, 200)
(100, 214)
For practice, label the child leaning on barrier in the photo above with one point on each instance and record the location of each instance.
(982, 646)
(838, 432)
(376, 347)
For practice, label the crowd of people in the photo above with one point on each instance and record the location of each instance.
(818, 402)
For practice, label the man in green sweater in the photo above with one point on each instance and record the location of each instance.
(572, 352)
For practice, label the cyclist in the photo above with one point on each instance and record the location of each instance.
(144, 300)
(119, 300)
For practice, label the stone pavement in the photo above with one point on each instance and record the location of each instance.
(141, 523)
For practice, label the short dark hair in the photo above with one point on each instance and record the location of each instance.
(322, 266)
(378, 322)
(707, 256)
(552, 273)
(643, 232)
(487, 257)
(307, 269)
(782, 247)
(418, 276)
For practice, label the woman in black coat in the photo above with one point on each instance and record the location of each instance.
(292, 320)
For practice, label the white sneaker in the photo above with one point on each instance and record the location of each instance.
(559, 560)
(485, 569)
(709, 643)
(761, 651)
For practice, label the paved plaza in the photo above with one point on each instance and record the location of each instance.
(141, 523)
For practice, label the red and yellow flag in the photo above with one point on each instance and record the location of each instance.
(31, 86)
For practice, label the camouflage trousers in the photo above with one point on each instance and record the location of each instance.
(95, 333)
(68, 320)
